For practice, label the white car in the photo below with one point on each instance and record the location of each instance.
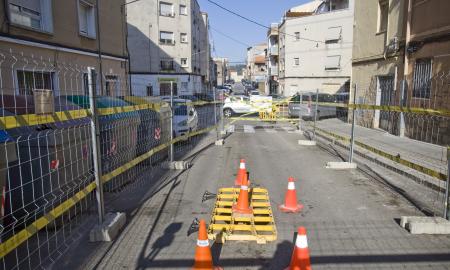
(242, 105)
(185, 117)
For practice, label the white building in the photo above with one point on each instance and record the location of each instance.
(315, 42)
(256, 65)
(168, 44)
(272, 59)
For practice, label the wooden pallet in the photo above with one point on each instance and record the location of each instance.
(259, 227)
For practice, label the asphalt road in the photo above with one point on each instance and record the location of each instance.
(351, 220)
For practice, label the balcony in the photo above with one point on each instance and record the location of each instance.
(274, 50)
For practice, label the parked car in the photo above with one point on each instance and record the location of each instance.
(185, 117)
(240, 104)
(189, 97)
(205, 97)
(303, 105)
(254, 93)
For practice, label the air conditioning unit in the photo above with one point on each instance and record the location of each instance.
(43, 101)
(393, 46)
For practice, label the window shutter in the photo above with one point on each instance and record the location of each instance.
(333, 62)
(333, 33)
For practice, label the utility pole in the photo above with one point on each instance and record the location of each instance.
(352, 139)
(171, 121)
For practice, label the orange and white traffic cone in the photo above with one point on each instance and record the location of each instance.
(290, 201)
(242, 206)
(240, 174)
(203, 257)
(300, 256)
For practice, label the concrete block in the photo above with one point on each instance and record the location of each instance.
(425, 225)
(110, 228)
(341, 165)
(219, 142)
(306, 142)
(177, 165)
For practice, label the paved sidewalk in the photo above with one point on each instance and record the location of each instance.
(428, 155)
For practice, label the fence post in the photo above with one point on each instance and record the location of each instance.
(401, 132)
(215, 116)
(171, 121)
(315, 114)
(300, 111)
(447, 188)
(352, 139)
(95, 134)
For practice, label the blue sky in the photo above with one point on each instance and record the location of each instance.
(262, 11)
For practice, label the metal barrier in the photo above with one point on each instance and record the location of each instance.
(47, 154)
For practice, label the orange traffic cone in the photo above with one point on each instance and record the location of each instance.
(290, 201)
(240, 174)
(242, 206)
(203, 257)
(300, 257)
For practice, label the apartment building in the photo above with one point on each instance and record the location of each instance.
(237, 73)
(401, 56)
(221, 70)
(378, 57)
(315, 47)
(272, 59)
(256, 65)
(169, 47)
(49, 44)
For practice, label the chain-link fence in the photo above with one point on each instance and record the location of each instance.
(47, 154)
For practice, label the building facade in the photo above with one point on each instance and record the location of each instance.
(272, 59)
(377, 65)
(256, 65)
(169, 47)
(221, 70)
(49, 44)
(315, 47)
(401, 56)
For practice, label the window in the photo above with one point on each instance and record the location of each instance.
(149, 90)
(183, 10)
(297, 35)
(296, 61)
(383, 11)
(112, 85)
(333, 34)
(86, 84)
(184, 86)
(164, 88)
(183, 38)
(35, 14)
(28, 81)
(184, 62)
(86, 19)
(422, 78)
(166, 9)
(167, 64)
(333, 62)
(166, 38)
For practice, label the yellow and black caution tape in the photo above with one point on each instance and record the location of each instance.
(397, 159)
(20, 237)
(9, 122)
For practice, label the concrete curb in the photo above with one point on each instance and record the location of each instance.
(306, 142)
(110, 228)
(425, 225)
(336, 165)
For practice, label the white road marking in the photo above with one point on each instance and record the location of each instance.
(230, 129)
(270, 130)
(288, 129)
(249, 129)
